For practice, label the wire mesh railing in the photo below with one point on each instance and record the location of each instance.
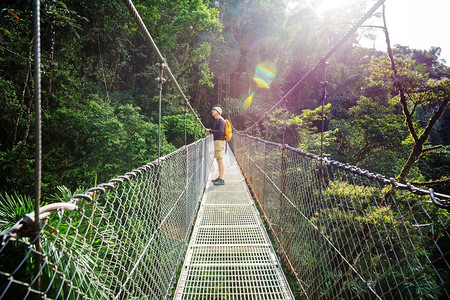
(347, 233)
(121, 240)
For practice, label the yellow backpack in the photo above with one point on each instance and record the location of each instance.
(228, 130)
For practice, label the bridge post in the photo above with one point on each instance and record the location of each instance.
(160, 80)
(282, 185)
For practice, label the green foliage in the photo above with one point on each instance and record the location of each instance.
(422, 99)
(372, 130)
(185, 34)
(100, 103)
(303, 130)
(368, 212)
(435, 165)
(64, 194)
(120, 137)
(414, 78)
(200, 60)
(99, 98)
(94, 52)
(78, 243)
(176, 126)
(13, 207)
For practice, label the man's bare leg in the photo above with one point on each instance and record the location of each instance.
(221, 167)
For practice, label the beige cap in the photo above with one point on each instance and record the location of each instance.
(218, 109)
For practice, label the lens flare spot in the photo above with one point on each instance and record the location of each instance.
(264, 74)
(261, 83)
(266, 69)
(248, 101)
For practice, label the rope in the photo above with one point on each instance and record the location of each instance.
(151, 42)
(321, 62)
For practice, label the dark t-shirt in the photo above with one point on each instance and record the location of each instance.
(218, 129)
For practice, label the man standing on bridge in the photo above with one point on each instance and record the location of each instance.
(218, 132)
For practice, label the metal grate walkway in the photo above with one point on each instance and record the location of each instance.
(230, 255)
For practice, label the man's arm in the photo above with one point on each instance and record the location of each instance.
(221, 129)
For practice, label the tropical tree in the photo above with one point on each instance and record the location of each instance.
(416, 93)
(99, 99)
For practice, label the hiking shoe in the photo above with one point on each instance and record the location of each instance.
(215, 180)
(220, 181)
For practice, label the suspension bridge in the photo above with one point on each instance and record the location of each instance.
(286, 225)
(341, 231)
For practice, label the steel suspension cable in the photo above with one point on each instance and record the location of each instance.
(38, 128)
(152, 43)
(322, 61)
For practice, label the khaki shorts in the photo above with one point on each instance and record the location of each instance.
(219, 147)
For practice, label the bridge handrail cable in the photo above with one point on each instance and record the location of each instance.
(439, 199)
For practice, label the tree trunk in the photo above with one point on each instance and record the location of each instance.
(418, 149)
(413, 157)
(419, 142)
(22, 100)
(52, 56)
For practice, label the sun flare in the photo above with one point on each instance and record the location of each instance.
(322, 6)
